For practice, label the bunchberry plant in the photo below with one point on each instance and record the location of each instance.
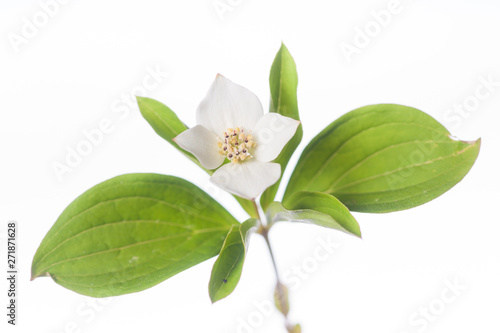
(134, 231)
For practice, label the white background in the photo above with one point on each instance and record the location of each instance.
(74, 70)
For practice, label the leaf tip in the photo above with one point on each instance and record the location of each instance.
(139, 99)
(357, 233)
(215, 298)
(143, 107)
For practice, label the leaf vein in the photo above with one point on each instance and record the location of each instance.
(325, 164)
(368, 157)
(128, 246)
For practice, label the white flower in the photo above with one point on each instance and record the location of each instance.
(232, 125)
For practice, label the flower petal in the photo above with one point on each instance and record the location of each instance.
(202, 143)
(248, 179)
(271, 133)
(228, 105)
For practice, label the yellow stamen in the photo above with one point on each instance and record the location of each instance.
(235, 144)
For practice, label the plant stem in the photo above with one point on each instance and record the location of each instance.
(282, 297)
(264, 233)
(261, 221)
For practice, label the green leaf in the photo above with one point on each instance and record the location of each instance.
(321, 209)
(383, 158)
(167, 125)
(130, 233)
(247, 205)
(283, 83)
(294, 329)
(227, 269)
(281, 299)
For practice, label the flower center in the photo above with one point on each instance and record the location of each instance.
(235, 144)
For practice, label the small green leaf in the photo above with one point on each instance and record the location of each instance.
(321, 209)
(167, 125)
(281, 298)
(283, 81)
(227, 269)
(294, 329)
(383, 158)
(130, 233)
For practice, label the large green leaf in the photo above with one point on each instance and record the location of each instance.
(316, 208)
(283, 83)
(130, 233)
(227, 269)
(167, 125)
(383, 158)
